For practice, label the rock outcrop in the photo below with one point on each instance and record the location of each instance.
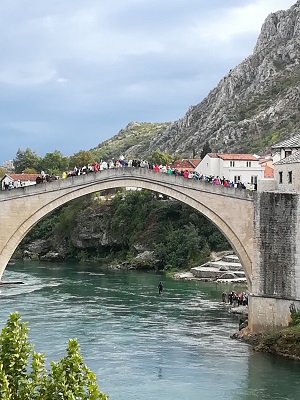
(255, 105)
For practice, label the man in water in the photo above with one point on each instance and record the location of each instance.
(160, 288)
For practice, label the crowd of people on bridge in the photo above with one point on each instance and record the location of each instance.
(167, 169)
(135, 163)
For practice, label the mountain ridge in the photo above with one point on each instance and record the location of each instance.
(254, 106)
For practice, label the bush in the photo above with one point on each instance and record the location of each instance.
(295, 315)
(68, 379)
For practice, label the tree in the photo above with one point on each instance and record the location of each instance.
(81, 158)
(68, 379)
(158, 157)
(30, 171)
(26, 159)
(55, 163)
(2, 172)
(206, 149)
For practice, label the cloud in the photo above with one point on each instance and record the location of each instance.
(74, 74)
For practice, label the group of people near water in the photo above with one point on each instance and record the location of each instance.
(235, 299)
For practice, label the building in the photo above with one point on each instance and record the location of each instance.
(286, 148)
(188, 164)
(18, 180)
(243, 168)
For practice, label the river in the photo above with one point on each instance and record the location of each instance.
(143, 346)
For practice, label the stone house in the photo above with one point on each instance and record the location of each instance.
(286, 159)
(243, 168)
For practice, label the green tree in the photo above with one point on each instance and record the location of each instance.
(30, 171)
(206, 149)
(55, 163)
(26, 159)
(158, 157)
(81, 158)
(68, 379)
(2, 172)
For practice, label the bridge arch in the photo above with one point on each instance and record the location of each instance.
(217, 207)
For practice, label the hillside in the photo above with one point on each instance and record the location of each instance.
(255, 105)
(132, 141)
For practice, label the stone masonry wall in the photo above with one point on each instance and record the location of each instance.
(276, 263)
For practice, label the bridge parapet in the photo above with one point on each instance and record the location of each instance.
(125, 174)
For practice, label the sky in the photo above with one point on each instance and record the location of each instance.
(73, 73)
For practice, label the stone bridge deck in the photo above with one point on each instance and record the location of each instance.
(124, 176)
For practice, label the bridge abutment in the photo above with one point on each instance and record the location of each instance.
(267, 314)
(276, 266)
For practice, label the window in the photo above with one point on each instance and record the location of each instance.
(232, 163)
(248, 163)
(287, 153)
(254, 179)
(290, 174)
(237, 179)
(280, 177)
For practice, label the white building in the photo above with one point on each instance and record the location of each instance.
(243, 168)
(18, 180)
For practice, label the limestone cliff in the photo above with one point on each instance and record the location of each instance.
(255, 103)
(253, 106)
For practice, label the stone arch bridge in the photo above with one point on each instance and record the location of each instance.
(237, 214)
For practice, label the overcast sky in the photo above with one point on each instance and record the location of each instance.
(73, 73)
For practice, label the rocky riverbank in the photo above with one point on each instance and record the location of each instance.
(284, 343)
(223, 268)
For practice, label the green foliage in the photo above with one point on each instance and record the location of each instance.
(158, 157)
(81, 158)
(265, 139)
(135, 134)
(131, 215)
(30, 171)
(68, 379)
(180, 236)
(206, 149)
(295, 315)
(2, 172)
(55, 163)
(26, 159)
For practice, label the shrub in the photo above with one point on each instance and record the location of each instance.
(295, 315)
(68, 379)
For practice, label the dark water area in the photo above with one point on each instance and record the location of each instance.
(141, 345)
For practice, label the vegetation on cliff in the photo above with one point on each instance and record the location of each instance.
(93, 228)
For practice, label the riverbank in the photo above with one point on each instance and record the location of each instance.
(284, 343)
(224, 267)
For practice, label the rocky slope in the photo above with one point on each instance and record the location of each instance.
(253, 106)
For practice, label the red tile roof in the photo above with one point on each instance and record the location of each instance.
(268, 172)
(189, 164)
(246, 157)
(23, 177)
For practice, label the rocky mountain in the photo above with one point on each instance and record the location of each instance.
(255, 105)
(134, 140)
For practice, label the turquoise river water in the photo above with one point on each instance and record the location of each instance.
(143, 346)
